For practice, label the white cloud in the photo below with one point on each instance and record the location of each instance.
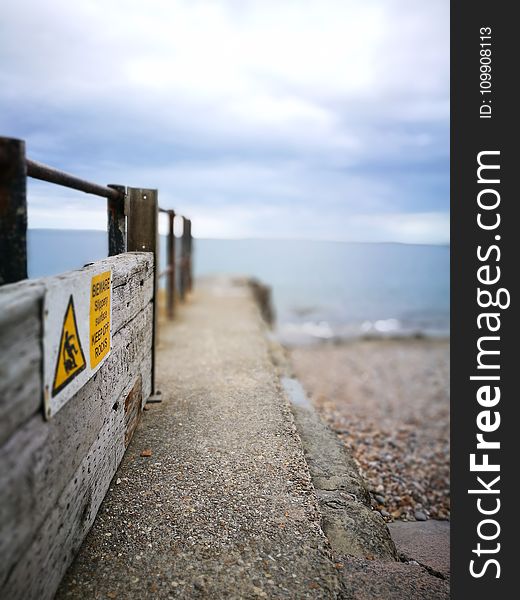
(218, 103)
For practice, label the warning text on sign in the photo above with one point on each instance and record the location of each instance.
(99, 318)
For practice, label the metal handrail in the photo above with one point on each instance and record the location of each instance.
(50, 174)
(132, 223)
(131, 212)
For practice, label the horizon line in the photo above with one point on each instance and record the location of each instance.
(267, 239)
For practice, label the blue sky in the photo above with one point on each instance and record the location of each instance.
(317, 119)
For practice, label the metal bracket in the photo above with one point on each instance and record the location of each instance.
(155, 398)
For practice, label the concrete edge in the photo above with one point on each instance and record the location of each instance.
(348, 521)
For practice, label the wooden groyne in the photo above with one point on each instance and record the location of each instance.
(77, 365)
(55, 472)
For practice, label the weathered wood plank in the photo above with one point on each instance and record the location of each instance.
(53, 547)
(132, 283)
(40, 460)
(131, 293)
(34, 475)
(20, 331)
(133, 407)
(20, 358)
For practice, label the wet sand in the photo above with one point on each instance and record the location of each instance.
(388, 400)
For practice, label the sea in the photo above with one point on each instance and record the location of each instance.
(321, 290)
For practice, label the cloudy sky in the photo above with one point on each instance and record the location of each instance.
(318, 119)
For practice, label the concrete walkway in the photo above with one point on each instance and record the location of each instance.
(220, 495)
(213, 498)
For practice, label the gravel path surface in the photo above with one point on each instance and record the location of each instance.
(213, 498)
(388, 400)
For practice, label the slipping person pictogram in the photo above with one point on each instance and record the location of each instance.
(69, 350)
(70, 360)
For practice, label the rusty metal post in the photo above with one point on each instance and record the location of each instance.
(142, 211)
(171, 265)
(13, 211)
(116, 222)
(189, 266)
(143, 236)
(184, 260)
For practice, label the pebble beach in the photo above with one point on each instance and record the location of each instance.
(388, 401)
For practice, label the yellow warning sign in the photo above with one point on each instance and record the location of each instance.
(100, 290)
(77, 332)
(71, 360)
